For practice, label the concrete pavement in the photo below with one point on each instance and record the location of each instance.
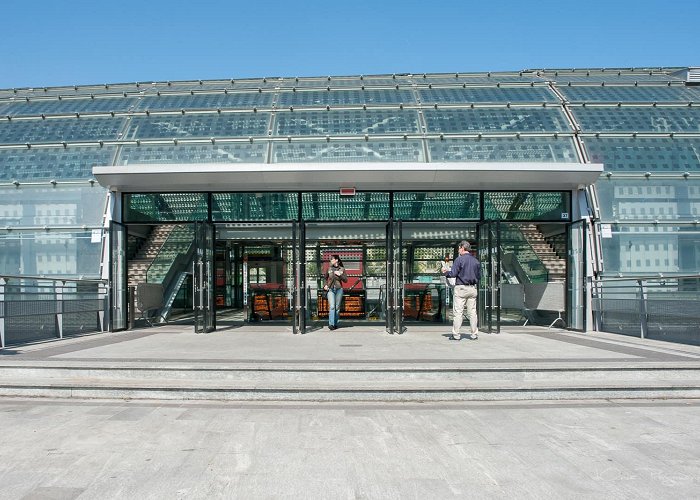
(63, 449)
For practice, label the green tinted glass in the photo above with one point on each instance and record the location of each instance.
(436, 206)
(254, 206)
(166, 207)
(332, 206)
(553, 206)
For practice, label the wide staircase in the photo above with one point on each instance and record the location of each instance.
(334, 380)
(546, 253)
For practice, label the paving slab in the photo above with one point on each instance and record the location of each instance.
(159, 449)
(362, 344)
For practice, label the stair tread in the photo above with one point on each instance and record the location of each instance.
(372, 385)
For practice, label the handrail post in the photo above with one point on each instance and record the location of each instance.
(58, 286)
(3, 305)
(644, 327)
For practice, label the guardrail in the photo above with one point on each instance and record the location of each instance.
(35, 308)
(655, 307)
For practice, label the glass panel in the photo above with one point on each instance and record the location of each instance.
(204, 125)
(203, 277)
(60, 129)
(70, 254)
(597, 93)
(239, 152)
(526, 149)
(65, 204)
(195, 85)
(576, 276)
(472, 79)
(521, 263)
(489, 257)
(652, 199)
(486, 94)
(355, 122)
(117, 278)
(527, 206)
(650, 249)
(175, 249)
(254, 206)
(630, 119)
(344, 97)
(645, 154)
(77, 91)
(247, 100)
(436, 206)
(332, 206)
(69, 106)
(349, 81)
(52, 163)
(495, 120)
(375, 150)
(610, 77)
(165, 207)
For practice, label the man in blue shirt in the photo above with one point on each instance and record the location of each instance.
(467, 272)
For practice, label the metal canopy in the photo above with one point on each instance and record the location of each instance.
(362, 176)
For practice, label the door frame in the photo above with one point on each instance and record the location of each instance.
(203, 278)
(489, 300)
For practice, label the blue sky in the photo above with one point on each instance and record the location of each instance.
(83, 42)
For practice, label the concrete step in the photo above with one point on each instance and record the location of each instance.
(350, 381)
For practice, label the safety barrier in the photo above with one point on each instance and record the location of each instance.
(35, 308)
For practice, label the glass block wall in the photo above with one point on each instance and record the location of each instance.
(643, 124)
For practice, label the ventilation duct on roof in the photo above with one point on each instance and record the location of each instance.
(693, 76)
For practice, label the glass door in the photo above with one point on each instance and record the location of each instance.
(398, 277)
(203, 278)
(489, 256)
(576, 276)
(299, 292)
(118, 284)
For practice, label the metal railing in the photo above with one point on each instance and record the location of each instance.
(35, 308)
(655, 307)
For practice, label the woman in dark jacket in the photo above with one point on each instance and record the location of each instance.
(335, 277)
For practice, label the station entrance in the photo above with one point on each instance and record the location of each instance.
(223, 275)
(258, 274)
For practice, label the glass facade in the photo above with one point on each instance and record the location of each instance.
(642, 125)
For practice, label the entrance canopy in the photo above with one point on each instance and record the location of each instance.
(362, 176)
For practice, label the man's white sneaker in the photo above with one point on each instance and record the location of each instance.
(474, 336)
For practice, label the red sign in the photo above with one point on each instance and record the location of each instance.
(347, 191)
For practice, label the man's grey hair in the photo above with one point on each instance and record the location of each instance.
(465, 244)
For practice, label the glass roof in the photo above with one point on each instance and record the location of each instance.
(67, 106)
(495, 120)
(345, 97)
(486, 94)
(52, 163)
(656, 154)
(350, 122)
(638, 119)
(630, 93)
(530, 149)
(349, 151)
(196, 125)
(61, 132)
